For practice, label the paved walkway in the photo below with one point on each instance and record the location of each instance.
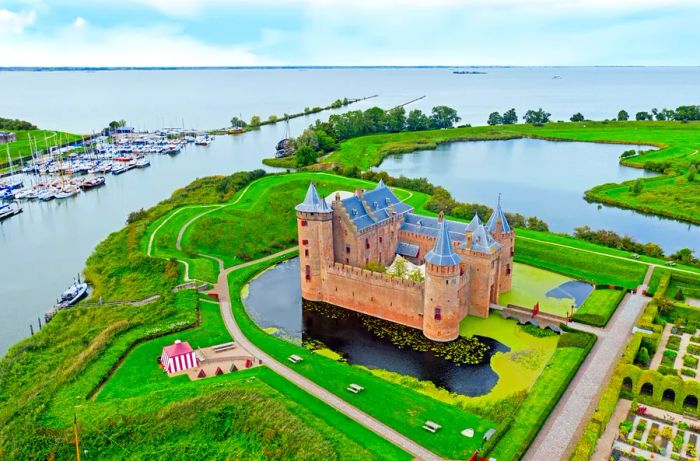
(656, 360)
(605, 442)
(565, 424)
(222, 290)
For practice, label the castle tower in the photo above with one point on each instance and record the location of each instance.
(498, 226)
(441, 309)
(315, 230)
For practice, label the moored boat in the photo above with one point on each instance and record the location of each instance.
(92, 183)
(7, 211)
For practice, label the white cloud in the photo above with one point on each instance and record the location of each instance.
(86, 45)
(15, 23)
(79, 22)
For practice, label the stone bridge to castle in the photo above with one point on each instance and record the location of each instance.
(524, 316)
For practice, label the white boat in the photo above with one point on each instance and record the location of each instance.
(47, 194)
(7, 211)
(67, 192)
(143, 163)
(171, 149)
(26, 194)
(202, 141)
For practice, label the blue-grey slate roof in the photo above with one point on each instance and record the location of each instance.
(495, 216)
(313, 203)
(378, 200)
(482, 240)
(407, 249)
(443, 253)
(474, 223)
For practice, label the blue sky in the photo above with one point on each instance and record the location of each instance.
(348, 32)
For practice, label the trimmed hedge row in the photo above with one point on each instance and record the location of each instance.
(606, 406)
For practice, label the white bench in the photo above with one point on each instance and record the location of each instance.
(224, 347)
(295, 358)
(431, 426)
(355, 388)
(468, 432)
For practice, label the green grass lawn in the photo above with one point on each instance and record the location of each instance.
(579, 263)
(599, 307)
(26, 141)
(399, 407)
(530, 286)
(677, 143)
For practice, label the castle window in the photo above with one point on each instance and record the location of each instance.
(347, 260)
(508, 269)
(447, 282)
(305, 242)
(347, 249)
(308, 272)
(512, 251)
(304, 223)
(367, 244)
(306, 252)
(438, 314)
(380, 240)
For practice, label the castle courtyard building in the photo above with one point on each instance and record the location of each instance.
(466, 266)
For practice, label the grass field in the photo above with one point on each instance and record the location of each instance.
(599, 307)
(678, 143)
(530, 286)
(26, 140)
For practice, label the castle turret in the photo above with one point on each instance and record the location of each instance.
(441, 311)
(315, 230)
(498, 226)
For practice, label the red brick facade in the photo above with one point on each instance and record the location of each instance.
(333, 252)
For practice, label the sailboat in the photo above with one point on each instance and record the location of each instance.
(13, 183)
(9, 210)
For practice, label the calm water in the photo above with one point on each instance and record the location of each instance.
(274, 301)
(544, 179)
(43, 248)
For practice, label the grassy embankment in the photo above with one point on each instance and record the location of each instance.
(41, 139)
(132, 419)
(671, 196)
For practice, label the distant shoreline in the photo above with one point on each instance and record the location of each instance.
(165, 68)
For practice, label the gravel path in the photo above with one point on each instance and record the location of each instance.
(222, 289)
(565, 424)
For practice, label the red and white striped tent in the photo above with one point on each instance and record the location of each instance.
(178, 357)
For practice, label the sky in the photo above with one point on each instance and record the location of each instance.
(348, 32)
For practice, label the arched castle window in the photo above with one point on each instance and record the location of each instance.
(438, 314)
(507, 269)
(308, 272)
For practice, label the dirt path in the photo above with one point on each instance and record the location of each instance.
(222, 289)
(565, 424)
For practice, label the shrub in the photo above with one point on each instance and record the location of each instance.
(688, 372)
(643, 357)
(674, 342)
(695, 339)
(693, 349)
(537, 331)
(690, 361)
(667, 370)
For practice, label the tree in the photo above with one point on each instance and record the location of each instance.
(325, 141)
(396, 119)
(336, 104)
(684, 255)
(307, 138)
(692, 171)
(237, 122)
(623, 115)
(537, 117)
(122, 123)
(495, 119)
(637, 187)
(375, 120)
(643, 357)
(577, 117)
(510, 117)
(668, 114)
(443, 117)
(255, 121)
(305, 155)
(417, 121)
(113, 125)
(272, 118)
(643, 115)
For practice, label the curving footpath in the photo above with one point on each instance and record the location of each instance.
(565, 424)
(222, 290)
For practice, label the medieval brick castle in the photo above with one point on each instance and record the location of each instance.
(466, 265)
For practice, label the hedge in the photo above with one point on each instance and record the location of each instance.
(608, 401)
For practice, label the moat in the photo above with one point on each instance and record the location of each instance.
(280, 311)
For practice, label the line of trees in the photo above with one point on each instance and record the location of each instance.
(256, 121)
(15, 125)
(323, 137)
(681, 113)
(536, 117)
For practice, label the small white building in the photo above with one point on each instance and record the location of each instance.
(178, 357)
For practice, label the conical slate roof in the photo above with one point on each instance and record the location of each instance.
(475, 222)
(495, 217)
(313, 203)
(380, 184)
(443, 254)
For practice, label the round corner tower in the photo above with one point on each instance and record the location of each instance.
(504, 235)
(315, 231)
(441, 309)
